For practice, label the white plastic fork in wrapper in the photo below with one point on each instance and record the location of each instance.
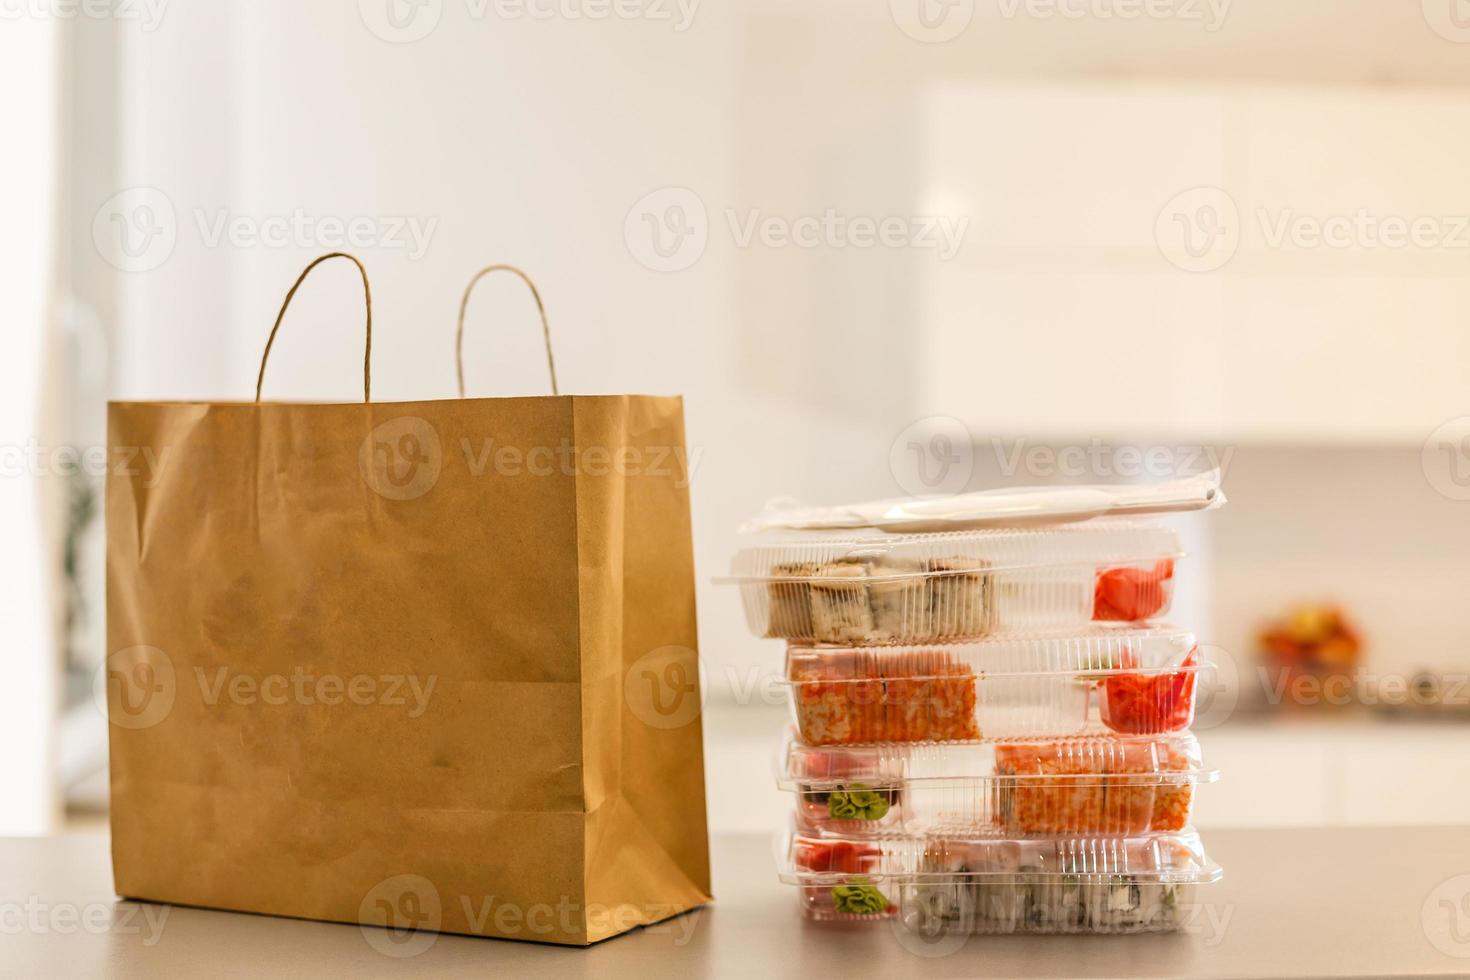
(1002, 507)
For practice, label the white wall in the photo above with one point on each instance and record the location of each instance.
(528, 142)
(1314, 316)
(28, 695)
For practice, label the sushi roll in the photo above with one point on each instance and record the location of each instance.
(790, 597)
(1117, 900)
(841, 609)
(960, 600)
(851, 696)
(898, 595)
(935, 908)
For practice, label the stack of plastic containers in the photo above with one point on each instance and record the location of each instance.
(990, 730)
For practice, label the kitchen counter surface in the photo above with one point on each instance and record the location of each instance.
(1347, 902)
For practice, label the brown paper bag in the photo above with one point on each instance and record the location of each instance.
(429, 666)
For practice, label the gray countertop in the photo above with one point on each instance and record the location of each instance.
(1294, 903)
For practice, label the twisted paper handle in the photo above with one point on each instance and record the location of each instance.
(464, 304)
(367, 293)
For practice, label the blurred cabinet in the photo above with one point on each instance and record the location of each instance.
(1336, 774)
(1220, 261)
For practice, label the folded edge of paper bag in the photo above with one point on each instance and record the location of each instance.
(647, 844)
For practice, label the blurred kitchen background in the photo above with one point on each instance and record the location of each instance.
(881, 248)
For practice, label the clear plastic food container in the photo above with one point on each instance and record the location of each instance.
(937, 886)
(917, 588)
(1103, 785)
(1120, 680)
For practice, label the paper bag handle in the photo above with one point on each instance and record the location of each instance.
(464, 304)
(367, 295)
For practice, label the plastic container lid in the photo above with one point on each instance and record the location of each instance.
(938, 886)
(1000, 507)
(1157, 857)
(1125, 681)
(875, 588)
(1106, 785)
